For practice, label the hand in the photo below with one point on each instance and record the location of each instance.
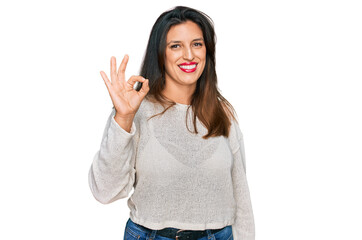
(126, 100)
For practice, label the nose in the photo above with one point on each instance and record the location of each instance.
(188, 54)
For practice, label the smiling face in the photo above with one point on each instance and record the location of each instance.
(185, 54)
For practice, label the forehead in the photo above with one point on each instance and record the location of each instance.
(184, 31)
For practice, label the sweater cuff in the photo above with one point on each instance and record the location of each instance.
(116, 127)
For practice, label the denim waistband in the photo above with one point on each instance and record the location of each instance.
(175, 233)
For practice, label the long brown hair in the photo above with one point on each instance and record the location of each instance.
(207, 103)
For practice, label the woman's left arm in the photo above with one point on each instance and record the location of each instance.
(244, 226)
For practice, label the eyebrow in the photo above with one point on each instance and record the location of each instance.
(196, 39)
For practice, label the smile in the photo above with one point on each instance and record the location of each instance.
(188, 68)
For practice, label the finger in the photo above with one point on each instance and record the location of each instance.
(145, 88)
(122, 68)
(106, 80)
(132, 80)
(113, 69)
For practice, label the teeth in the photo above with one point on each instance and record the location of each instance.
(187, 66)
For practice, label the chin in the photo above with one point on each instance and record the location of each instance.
(189, 81)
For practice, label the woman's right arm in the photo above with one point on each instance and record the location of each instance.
(112, 173)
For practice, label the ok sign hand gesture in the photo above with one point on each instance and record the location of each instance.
(126, 100)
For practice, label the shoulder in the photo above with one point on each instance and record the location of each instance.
(235, 135)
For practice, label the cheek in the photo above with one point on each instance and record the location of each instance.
(172, 56)
(168, 61)
(202, 55)
(203, 59)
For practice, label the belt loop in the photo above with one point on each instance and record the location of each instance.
(152, 235)
(210, 235)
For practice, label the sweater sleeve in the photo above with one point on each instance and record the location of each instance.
(244, 226)
(112, 173)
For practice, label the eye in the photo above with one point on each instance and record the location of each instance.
(175, 46)
(198, 44)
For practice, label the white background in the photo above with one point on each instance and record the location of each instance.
(291, 69)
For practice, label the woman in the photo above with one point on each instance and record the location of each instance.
(187, 184)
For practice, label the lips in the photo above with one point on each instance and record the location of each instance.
(188, 67)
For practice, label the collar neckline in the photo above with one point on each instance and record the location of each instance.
(182, 105)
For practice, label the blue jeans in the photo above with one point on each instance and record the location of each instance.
(134, 231)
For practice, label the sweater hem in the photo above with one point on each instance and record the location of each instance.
(181, 225)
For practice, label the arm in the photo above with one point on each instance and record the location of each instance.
(244, 226)
(112, 173)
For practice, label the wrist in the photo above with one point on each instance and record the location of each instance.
(124, 122)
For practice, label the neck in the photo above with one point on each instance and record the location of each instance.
(178, 92)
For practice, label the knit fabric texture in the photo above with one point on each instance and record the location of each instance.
(179, 179)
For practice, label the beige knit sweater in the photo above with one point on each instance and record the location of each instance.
(180, 180)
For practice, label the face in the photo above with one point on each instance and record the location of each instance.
(185, 54)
